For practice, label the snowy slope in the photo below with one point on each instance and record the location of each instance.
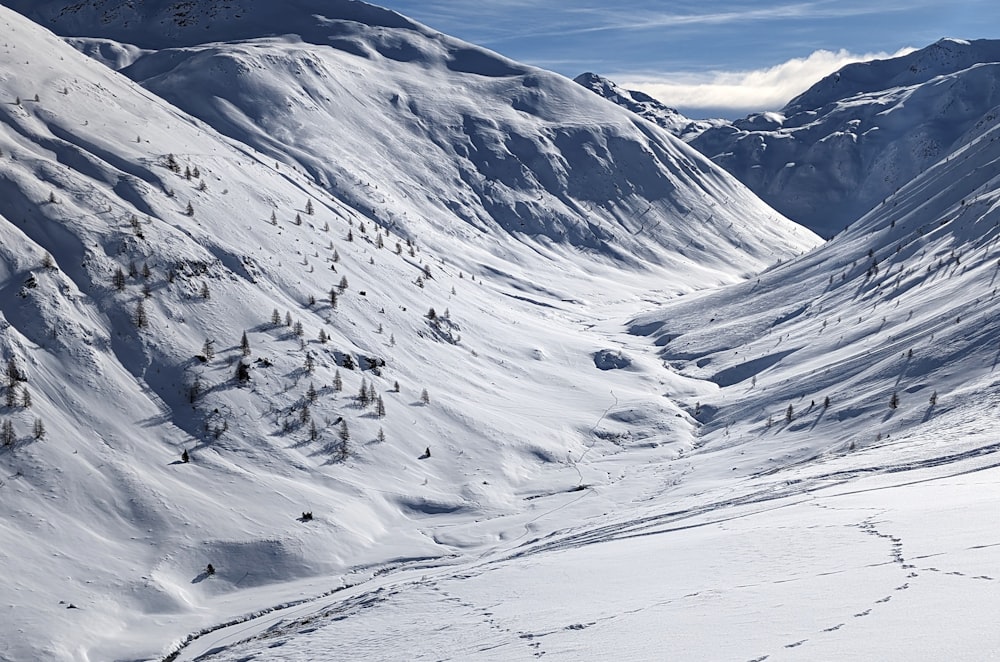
(127, 286)
(903, 302)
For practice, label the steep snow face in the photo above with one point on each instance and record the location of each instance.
(441, 139)
(861, 133)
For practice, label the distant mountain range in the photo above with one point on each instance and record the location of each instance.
(853, 138)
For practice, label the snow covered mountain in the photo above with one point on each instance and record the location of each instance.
(350, 323)
(458, 132)
(332, 338)
(858, 135)
(645, 106)
(853, 138)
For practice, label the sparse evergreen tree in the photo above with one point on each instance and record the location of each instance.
(189, 210)
(11, 396)
(245, 345)
(789, 413)
(425, 397)
(380, 437)
(38, 430)
(275, 318)
(395, 387)
(288, 318)
(432, 315)
(379, 407)
(298, 220)
(274, 218)
(826, 402)
(146, 273)
(363, 397)
(310, 364)
(894, 400)
(304, 414)
(195, 390)
(133, 270)
(336, 256)
(196, 173)
(208, 349)
(311, 393)
(392, 340)
(344, 434)
(322, 336)
(242, 372)
(119, 279)
(187, 172)
(205, 292)
(350, 235)
(333, 298)
(141, 319)
(297, 329)
(309, 207)
(934, 398)
(343, 284)
(338, 383)
(47, 261)
(185, 456)
(313, 432)
(14, 374)
(25, 398)
(7, 435)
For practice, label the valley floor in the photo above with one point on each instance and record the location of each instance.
(896, 565)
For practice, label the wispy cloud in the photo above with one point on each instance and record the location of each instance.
(736, 93)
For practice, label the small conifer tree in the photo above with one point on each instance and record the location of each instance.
(141, 319)
(245, 345)
(7, 435)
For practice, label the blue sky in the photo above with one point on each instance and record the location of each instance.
(707, 58)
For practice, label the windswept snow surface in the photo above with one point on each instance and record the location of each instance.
(584, 478)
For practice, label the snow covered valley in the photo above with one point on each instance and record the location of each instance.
(327, 336)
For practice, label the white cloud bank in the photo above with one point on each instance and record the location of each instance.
(734, 94)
